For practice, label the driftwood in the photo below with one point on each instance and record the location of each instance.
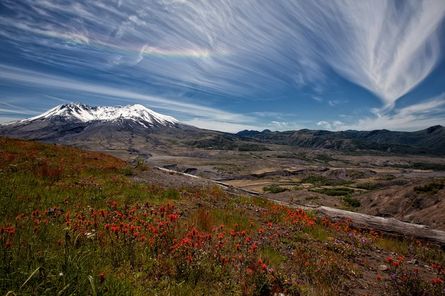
(359, 220)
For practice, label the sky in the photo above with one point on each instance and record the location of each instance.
(230, 65)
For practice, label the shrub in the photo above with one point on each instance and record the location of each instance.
(274, 188)
(353, 202)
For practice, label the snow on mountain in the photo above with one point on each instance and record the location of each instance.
(85, 113)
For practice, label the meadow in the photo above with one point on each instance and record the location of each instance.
(75, 222)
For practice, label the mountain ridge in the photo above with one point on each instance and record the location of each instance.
(427, 141)
(86, 126)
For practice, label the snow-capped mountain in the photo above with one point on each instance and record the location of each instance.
(112, 127)
(79, 112)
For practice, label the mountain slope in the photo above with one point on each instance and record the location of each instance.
(71, 122)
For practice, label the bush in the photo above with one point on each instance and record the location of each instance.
(353, 202)
(274, 188)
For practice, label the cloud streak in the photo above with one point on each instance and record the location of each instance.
(413, 117)
(240, 47)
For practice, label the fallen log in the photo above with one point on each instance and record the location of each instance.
(388, 225)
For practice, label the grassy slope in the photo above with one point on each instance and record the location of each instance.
(76, 223)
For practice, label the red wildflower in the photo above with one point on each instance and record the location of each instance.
(264, 267)
(437, 281)
(101, 278)
(173, 217)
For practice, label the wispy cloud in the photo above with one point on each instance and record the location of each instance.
(238, 47)
(413, 117)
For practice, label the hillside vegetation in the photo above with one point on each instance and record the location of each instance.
(84, 223)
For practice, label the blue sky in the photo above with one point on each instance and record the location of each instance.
(233, 64)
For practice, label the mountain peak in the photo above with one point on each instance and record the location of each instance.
(85, 113)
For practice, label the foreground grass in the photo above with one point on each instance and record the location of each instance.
(76, 223)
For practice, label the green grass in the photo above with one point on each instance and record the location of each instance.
(400, 247)
(272, 256)
(318, 232)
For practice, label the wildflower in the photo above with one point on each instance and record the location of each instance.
(437, 281)
(101, 278)
(9, 230)
(173, 217)
(263, 267)
(262, 264)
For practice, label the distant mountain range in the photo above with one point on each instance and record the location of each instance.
(427, 141)
(139, 129)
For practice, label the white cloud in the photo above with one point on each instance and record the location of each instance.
(413, 117)
(330, 125)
